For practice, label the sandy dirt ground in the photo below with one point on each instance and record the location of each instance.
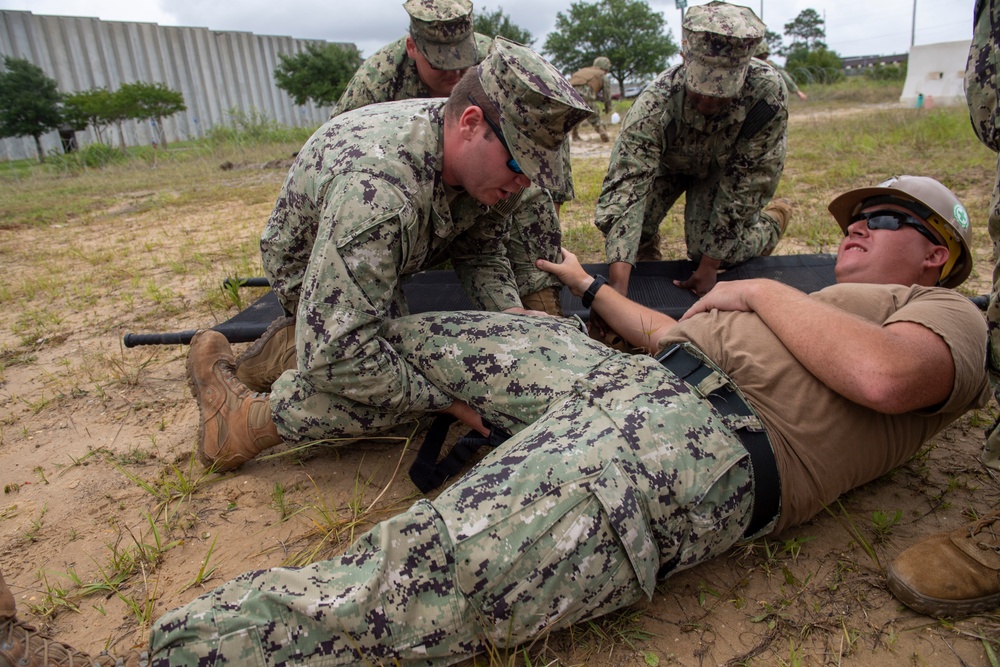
(107, 521)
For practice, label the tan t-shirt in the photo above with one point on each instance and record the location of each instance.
(825, 444)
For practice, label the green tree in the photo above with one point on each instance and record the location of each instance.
(628, 32)
(151, 101)
(773, 40)
(498, 24)
(320, 73)
(29, 102)
(807, 58)
(820, 65)
(807, 30)
(87, 108)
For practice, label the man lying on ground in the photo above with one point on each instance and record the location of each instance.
(763, 406)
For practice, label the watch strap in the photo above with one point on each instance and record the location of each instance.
(588, 296)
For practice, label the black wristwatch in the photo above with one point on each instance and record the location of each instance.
(588, 296)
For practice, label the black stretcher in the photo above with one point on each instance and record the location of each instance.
(651, 284)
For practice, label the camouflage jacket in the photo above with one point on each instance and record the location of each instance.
(743, 148)
(981, 73)
(785, 76)
(389, 75)
(363, 206)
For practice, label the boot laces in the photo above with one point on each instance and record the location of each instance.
(22, 644)
(986, 532)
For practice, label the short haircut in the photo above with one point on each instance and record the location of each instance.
(468, 88)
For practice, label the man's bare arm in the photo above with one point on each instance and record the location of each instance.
(893, 369)
(639, 325)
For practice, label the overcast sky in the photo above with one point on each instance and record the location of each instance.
(853, 27)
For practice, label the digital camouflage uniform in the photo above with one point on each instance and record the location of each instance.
(363, 206)
(728, 165)
(594, 86)
(790, 84)
(981, 94)
(389, 75)
(617, 474)
(348, 225)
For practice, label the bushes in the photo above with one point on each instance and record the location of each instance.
(95, 155)
(254, 128)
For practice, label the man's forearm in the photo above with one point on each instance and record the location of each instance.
(881, 367)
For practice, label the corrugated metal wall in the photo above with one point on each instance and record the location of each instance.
(215, 71)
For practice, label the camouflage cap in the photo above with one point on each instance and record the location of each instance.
(602, 62)
(719, 41)
(763, 50)
(537, 108)
(442, 31)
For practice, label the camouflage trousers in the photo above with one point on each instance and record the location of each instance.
(991, 455)
(618, 474)
(756, 236)
(596, 120)
(984, 109)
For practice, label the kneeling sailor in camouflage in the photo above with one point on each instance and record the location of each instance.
(765, 404)
(375, 195)
(712, 128)
(429, 62)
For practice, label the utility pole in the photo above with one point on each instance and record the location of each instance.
(761, 10)
(681, 4)
(913, 25)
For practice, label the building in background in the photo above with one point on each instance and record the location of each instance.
(216, 71)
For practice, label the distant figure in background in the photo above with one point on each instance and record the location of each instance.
(594, 86)
(762, 53)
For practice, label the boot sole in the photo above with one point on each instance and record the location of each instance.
(937, 607)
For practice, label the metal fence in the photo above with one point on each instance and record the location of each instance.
(215, 71)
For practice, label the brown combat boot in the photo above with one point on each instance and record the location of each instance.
(545, 300)
(649, 251)
(951, 574)
(22, 645)
(575, 134)
(236, 423)
(270, 355)
(604, 135)
(779, 210)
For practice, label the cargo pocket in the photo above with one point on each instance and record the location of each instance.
(623, 506)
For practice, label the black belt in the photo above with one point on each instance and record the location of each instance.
(727, 401)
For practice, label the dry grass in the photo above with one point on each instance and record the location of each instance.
(104, 513)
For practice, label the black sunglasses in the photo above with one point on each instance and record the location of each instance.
(511, 163)
(893, 220)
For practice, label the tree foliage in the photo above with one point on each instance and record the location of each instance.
(100, 108)
(773, 40)
(320, 73)
(819, 65)
(807, 30)
(150, 102)
(807, 58)
(87, 108)
(29, 102)
(628, 32)
(498, 24)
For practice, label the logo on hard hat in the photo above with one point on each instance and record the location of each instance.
(960, 215)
